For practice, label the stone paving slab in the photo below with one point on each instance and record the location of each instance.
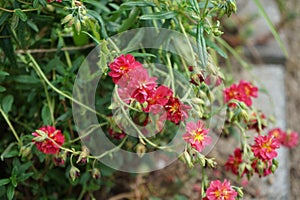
(271, 78)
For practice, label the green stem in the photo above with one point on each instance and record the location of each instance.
(38, 69)
(11, 127)
(112, 150)
(204, 9)
(202, 182)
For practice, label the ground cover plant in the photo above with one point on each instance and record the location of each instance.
(92, 87)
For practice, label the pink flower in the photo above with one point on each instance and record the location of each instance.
(176, 111)
(234, 161)
(141, 84)
(265, 147)
(220, 191)
(121, 66)
(46, 145)
(196, 135)
(160, 96)
(277, 133)
(290, 139)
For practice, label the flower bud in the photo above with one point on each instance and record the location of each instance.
(188, 159)
(66, 18)
(74, 173)
(96, 173)
(77, 26)
(25, 152)
(140, 150)
(240, 192)
(83, 155)
(71, 22)
(197, 101)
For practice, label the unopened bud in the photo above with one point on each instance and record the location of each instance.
(83, 155)
(74, 173)
(140, 150)
(96, 173)
(66, 18)
(240, 192)
(25, 152)
(77, 26)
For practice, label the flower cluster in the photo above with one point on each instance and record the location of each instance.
(288, 139)
(48, 139)
(136, 85)
(243, 92)
(263, 160)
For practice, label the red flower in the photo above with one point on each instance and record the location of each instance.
(232, 93)
(141, 84)
(46, 145)
(241, 92)
(176, 111)
(277, 133)
(290, 139)
(160, 96)
(266, 167)
(121, 66)
(234, 161)
(265, 147)
(196, 135)
(220, 191)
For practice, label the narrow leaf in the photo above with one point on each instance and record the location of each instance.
(4, 181)
(21, 14)
(7, 102)
(10, 192)
(46, 115)
(159, 15)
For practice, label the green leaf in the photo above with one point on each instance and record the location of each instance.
(33, 26)
(46, 115)
(2, 89)
(10, 192)
(96, 16)
(159, 15)
(7, 102)
(24, 177)
(130, 20)
(143, 55)
(13, 180)
(3, 73)
(43, 2)
(216, 47)
(4, 17)
(26, 79)
(137, 3)
(6, 44)
(36, 3)
(14, 21)
(21, 14)
(201, 44)
(4, 181)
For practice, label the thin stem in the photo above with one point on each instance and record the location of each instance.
(12, 11)
(204, 9)
(112, 150)
(11, 127)
(171, 73)
(202, 181)
(38, 69)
